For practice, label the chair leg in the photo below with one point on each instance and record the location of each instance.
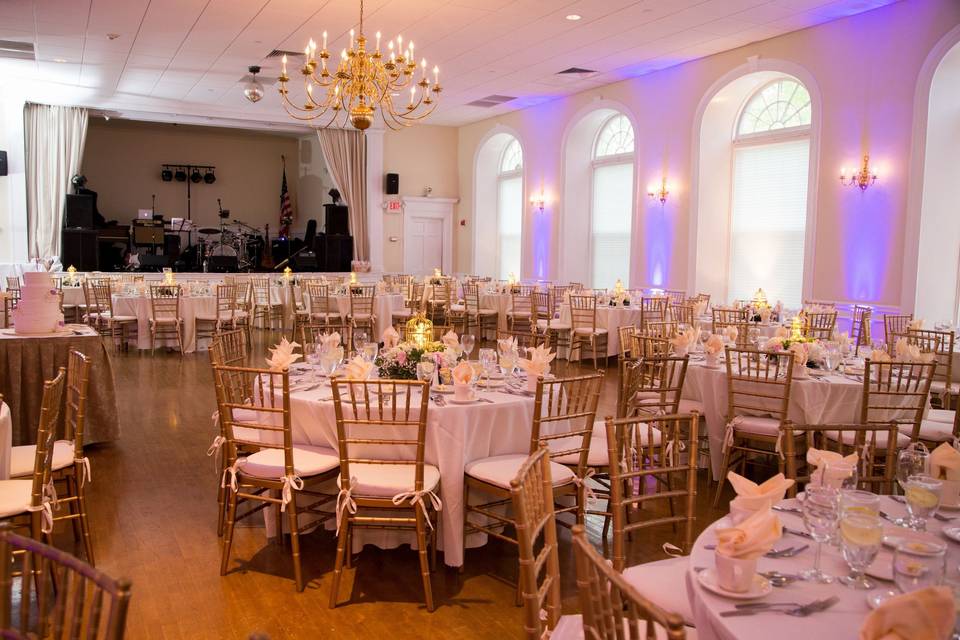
(422, 552)
(723, 474)
(295, 542)
(72, 489)
(84, 522)
(466, 512)
(221, 504)
(338, 563)
(228, 533)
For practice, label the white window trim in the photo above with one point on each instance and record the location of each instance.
(761, 134)
(501, 177)
(606, 161)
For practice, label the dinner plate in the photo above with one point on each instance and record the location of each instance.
(951, 532)
(896, 535)
(760, 588)
(882, 566)
(491, 384)
(442, 388)
(467, 401)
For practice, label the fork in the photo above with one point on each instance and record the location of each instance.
(801, 611)
(938, 516)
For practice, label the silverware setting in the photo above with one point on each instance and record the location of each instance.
(786, 552)
(789, 608)
(796, 510)
(797, 532)
(436, 397)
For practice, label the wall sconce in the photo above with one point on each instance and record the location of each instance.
(863, 178)
(539, 201)
(661, 193)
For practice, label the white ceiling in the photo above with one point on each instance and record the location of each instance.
(179, 58)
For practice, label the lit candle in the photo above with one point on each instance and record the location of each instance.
(286, 273)
(313, 48)
(283, 63)
(437, 273)
(390, 48)
(436, 76)
(324, 40)
(353, 278)
(413, 95)
(400, 45)
(423, 69)
(378, 42)
(351, 38)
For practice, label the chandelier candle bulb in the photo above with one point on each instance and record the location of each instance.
(378, 43)
(324, 40)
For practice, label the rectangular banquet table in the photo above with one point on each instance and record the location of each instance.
(26, 362)
(190, 308)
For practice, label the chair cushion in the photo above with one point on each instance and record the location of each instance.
(500, 470)
(586, 331)
(121, 318)
(939, 386)
(689, 406)
(457, 307)
(933, 431)
(166, 320)
(758, 425)
(940, 415)
(387, 480)
(664, 583)
(903, 439)
(22, 457)
(362, 316)
(14, 496)
(554, 325)
(307, 461)
(598, 456)
(210, 317)
(518, 314)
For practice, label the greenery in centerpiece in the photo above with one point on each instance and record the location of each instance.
(400, 362)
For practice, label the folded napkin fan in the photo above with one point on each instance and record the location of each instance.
(538, 364)
(927, 614)
(731, 333)
(714, 344)
(751, 538)
(774, 488)
(781, 332)
(358, 369)
(462, 373)
(390, 338)
(282, 355)
(838, 466)
(910, 352)
(945, 462)
(878, 355)
(915, 325)
(451, 340)
(686, 338)
(507, 345)
(330, 340)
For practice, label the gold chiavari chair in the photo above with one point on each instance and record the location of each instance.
(374, 419)
(613, 608)
(437, 333)
(940, 344)
(70, 468)
(625, 335)
(584, 329)
(729, 315)
(440, 298)
(525, 340)
(652, 309)
(6, 309)
(476, 316)
(412, 303)
(675, 296)
(654, 471)
(224, 315)
(742, 327)
(311, 333)
(120, 328)
(896, 392)
(165, 319)
(522, 311)
(70, 599)
(758, 396)
(548, 317)
(27, 503)
(362, 310)
(264, 308)
(862, 317)
(822, 304)
(895, 325)
(563, 414)
(703, 298)
(876, 467)
(682, 313)
(662, 329)
(13, 289)
(645, 346)
(256, 413)
(819, 325)
(233, 347)
(531, 496)
(321, 308)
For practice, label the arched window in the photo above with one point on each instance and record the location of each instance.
(771, 157)
(612, 203)
(509, 209)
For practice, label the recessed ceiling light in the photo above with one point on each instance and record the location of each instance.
(573, 17)
(59, 60)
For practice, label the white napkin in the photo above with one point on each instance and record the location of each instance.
(282, 355)
(462, 373)
(330, 341)
(538, 364)
(507, 345)
(686, 338)
(774, 488)
(926, 614)
(781, 332)
(915, 325)
(765, 314)
(451, 340)
(358, 369)
(751, 538)
(390, 338)
(879, 355)
(800, 354)
(839, 467)
(714, 344)
(842, 340)
(945, 462)
(699, 308)
(730, 333)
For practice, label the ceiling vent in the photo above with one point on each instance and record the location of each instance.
(491, 101)
(575, 71)
(17, 50)
(279, 53)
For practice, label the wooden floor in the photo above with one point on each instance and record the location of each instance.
(153, 508)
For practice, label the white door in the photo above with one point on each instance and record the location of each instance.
(424, 246)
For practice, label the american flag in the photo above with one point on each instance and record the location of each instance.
(286, 209)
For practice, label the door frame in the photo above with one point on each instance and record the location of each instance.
(437, 208)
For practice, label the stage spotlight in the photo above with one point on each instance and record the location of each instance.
(181, 174)
(208, 177)
(195, 176)
(166, 175)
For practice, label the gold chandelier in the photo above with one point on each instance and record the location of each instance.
(363, 83)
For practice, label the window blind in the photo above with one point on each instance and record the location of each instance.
(611, 223)
(509, 225)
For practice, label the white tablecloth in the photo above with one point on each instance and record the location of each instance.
(6, 440)
(384, 304)
(499, 302)
(843, 620)
(456, 435)
(611, 319)
(812, 401)
(190, 307)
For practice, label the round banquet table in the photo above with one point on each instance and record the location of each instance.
(843, 620)
(456, 435)
(73, 295)
(611, 319)
(765, 330)
(499, 302)
(384, 304)
(6, 440)
(190, 307)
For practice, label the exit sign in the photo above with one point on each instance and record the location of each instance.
(394, 206)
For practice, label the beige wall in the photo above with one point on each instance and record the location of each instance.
(424, 156)
(122, 163)
(865, 69)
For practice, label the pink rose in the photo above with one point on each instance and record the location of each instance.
(401, 357)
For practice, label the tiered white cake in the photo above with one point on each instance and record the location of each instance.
(39, 308)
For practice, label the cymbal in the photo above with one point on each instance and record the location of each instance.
(208, 230)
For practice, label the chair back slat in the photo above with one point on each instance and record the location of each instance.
(758, 383)
(819, 325)
(563, 414)
(896, 392)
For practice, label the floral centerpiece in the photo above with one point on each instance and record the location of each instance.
(398, 360)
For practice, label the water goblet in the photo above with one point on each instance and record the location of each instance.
(831, 356)
(860, 538)
(425, 370)
(857, 502)
(821, 513)
(913, 460)
(369, 351)
(359, 338)
(923, 498)
(466, 343)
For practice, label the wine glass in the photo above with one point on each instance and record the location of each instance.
(923, 498)
(912, 461)
(821, 512)
(360, 337)
(466, 343)
(831, 356)
(368, 351)
(860, 538)
(488, 361)
(425, 370)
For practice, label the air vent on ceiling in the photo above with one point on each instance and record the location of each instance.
(575, 71)
(17, 50)
(279, 53)
(491, 101)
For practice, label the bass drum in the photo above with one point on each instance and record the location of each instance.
(221, 249)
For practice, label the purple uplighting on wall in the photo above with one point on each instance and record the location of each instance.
(868, 232)
(542, 230)
(658, 240)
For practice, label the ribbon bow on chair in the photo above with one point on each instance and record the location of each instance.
(290, 483)
(345, 503)
(416, 498)
(46, 507)
(588, 493)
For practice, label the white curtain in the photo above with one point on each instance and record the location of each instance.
(54, 138)
(346, 155)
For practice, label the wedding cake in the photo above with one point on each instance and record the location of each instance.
(39, 308)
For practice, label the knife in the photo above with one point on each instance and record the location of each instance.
(796, 532)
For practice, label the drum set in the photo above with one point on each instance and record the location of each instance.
(232, 240)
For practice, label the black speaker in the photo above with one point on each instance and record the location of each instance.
(78, 211)
(80, 249)
(311, 233)
(151, 263)
(391, 184)
(336, 219)
(338, 253)
(305, 261)
(222, 264)
(3, 163)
